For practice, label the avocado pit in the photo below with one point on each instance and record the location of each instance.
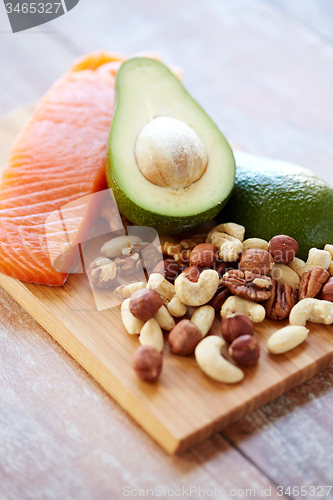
(170, 154)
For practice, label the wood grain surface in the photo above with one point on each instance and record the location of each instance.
(264, 73)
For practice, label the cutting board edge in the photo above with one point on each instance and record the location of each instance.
(96, 369)
(114, 387)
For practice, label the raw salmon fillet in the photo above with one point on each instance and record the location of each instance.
(58, 158)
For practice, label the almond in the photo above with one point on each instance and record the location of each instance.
(283, 248)
(192, 273)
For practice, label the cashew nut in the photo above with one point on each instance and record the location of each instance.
(256, 243)
(284, 274)
(176, 308)
(237, 305)
(313, 310)
(204, 317)
(286, 338)
(329, 248)
(230, 247)
(235, 230)
(151, 334)
(113, 248)
(298, 266)
(162, 286)
(164, 319)
(209, 358)
(125, 291)
(131, 323)
(199, 293)
(320, 258)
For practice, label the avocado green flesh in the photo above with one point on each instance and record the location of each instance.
(145, 90)
(271, 197)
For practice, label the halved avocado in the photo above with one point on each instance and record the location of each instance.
(149, 96)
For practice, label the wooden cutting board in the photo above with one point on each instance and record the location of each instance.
(184, 406)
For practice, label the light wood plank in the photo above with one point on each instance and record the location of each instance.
(184, 407)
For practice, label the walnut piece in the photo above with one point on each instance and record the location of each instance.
(281, 302)
(248, 285)
(312, 282)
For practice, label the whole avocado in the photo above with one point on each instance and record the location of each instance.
(272, 197)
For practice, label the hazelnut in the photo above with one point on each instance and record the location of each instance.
(236, 326)
(283, 248)
(145, 303)
(204, 255)
(184, 337)
(169, 268)
(219, 298)
(245, 350)
(256, 261)
(326, 292)
(147, 363)
(192, 273)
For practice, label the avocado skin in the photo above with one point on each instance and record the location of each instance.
(164, 224)
(274, 198)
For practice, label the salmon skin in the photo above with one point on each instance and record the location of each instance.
(58, 158)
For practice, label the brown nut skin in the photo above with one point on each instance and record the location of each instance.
(257, 261)
(222, 267)
(283, 248)
(184, 337)
(326, 292)
(147, 363)
(219, 298)
(204, 255)
(245, 350)
(236, 326)
(145, 303)
(192, 273)
(169, 268)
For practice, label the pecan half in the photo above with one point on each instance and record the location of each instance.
(312, 282)
(281, 302)
(248, 285)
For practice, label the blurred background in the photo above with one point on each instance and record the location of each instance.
(263, 69)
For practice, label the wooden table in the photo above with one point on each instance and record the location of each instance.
(264, 71)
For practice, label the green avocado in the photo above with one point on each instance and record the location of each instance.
(271, 197)
(168, 164)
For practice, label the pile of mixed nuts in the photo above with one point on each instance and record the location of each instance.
(245, 281)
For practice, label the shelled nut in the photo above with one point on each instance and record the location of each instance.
(284, 274)
(320, 258)
(283, 248)
(192, 273)
(184, 337)
(197, 294)
(212, 363)
(147, 363)
(164, 319)
(286, 338)
(327, 291)
(145, 303)
(113, 248)
(151, 334)
(132, 324)
(168, 268)
(256, 261)
(204, 317)
(257, 243)
(237, 305)
(102, 273)
(236, 326)
(245, 350)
